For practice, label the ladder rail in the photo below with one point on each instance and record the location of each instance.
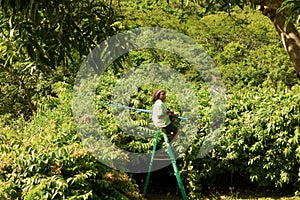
(151, 162)
(176, 171)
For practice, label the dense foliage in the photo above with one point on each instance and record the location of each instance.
(44, 42)
(260, 139)
(260, 142)
(44, 158)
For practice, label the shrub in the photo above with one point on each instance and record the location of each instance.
(46, 159)
(260, 141)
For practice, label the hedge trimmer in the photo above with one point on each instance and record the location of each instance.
(140, 110)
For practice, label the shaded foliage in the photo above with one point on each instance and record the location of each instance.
(43, 42)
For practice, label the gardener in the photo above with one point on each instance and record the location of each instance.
(161, 116)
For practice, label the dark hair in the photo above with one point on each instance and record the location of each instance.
(156, 93)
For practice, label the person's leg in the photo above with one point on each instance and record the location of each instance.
(175, 133)
(172, 132)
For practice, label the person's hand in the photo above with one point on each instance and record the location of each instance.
(170, 111)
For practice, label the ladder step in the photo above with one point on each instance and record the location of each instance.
(162, 156)
(162, 159)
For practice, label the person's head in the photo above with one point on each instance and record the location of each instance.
(159, 94)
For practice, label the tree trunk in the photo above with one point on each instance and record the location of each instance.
(288, 33)
(290, 39)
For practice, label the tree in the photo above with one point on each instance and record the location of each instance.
(42, 42)
(282, 13)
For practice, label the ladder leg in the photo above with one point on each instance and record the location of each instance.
(151, 162)
(173, 161)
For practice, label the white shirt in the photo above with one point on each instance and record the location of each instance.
(159, 115)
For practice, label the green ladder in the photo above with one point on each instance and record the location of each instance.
(173, 161)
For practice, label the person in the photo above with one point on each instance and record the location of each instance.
(161, 116)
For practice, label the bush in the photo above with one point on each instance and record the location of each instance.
(260, 141)
(44, 159)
